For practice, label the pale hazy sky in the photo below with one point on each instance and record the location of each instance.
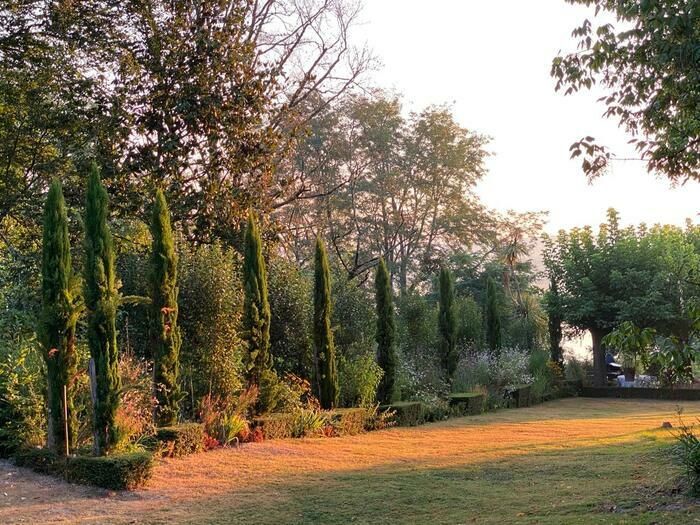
(490, 59)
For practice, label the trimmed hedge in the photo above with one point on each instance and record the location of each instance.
(349, 421)
(275, 426)
(438, 411)
(671, 394)
(344, 422)
(407, 413)
(520, 396)
(41, 460)
(468, 403)
(117, 472)
(181, 440)
(571, 388)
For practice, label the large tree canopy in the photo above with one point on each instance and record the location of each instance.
(202, 99)
(646, 57)
(387, 185)
(644, 275)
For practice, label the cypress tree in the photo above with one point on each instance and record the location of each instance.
(101, 299)
(323, 336)
(493, 316)
(554, 323)
(447, 324)
(57, 321)
(386, 333)
(256, 307)
(165, 331)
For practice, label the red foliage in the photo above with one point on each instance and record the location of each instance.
(253, 436)
(329, 431)
(210, 442)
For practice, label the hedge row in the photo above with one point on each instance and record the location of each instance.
(671, 394)
(468, 403)
(519, 397)
(407, 413)
(412, 413)
(275, 426)
(180, 440)
(117, 472)
(349, 421)
(338, 422)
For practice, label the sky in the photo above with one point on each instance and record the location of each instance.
(490, 59)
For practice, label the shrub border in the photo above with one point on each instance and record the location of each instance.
(118, 472)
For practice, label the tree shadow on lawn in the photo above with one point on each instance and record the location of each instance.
(634, 482)
(511, 466)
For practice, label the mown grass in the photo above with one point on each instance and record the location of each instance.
(573, 461)
(634, 482)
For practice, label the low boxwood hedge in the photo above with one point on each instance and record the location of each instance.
(343, 422)
(275, 426)
(41, 460)
(349, 421)
(181, 440)
(468, 403)
(571, 388)
(519, 396)
(407, 413)
(116, 472)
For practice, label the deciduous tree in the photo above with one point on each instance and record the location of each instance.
(383, 183)
(631, 274)
(646, 61)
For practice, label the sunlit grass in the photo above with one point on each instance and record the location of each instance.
(570, 461)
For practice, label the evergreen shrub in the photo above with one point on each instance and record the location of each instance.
(181, 440)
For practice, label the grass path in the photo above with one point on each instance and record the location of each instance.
(565, 462)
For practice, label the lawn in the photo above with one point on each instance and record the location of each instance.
(573, 461)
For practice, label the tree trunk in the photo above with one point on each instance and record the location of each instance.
(403, 277)
(93, 395)
(51, 438)
(599, 366)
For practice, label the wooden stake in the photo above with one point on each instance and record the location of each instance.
(65, 418)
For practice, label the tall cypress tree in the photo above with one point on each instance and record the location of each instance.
(493, 316)
(386, 333)
(554, 323)
(101, 300)
(59, 314)
(447, 324)
(323, 336)
(165, 331)
(256, 307)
